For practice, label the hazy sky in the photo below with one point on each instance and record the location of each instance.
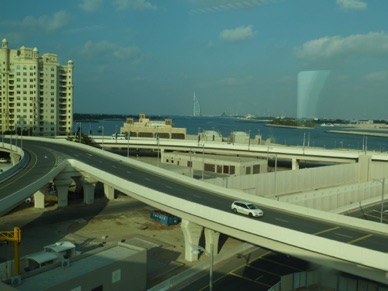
(307, 58)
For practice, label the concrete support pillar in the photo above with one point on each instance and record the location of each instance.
(89, 185)
(39, 198)
(62, 186)
(192, 233)
(295, 164)
(109, 192)
(211, 237)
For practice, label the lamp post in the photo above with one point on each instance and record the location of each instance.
(157, 140)
(382, 199)
(191, 165)
(249, 139)
(203, 161)
(128, 144)
(116, 132)
(21, 137)
(199, 137)
(79, 125)
(199, 249)
(276, 165)
(102, 132)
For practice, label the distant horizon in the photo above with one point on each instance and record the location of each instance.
(232, 116)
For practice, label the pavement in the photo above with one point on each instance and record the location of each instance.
(101, 225)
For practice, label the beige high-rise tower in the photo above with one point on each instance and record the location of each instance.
(36, 92)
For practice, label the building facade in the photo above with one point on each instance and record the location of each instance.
(36, 93)
(145, 127)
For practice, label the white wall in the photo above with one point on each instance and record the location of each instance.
(324, 188)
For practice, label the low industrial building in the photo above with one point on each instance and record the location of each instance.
(218, 164)
(121, 267)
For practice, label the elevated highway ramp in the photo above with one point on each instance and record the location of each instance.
(344, 243)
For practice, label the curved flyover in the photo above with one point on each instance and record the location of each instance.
(347, 244)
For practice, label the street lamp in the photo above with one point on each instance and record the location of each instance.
(382, 198)
(191, 165)
(80, 130)
(157, 140)
(21, 137)
(128, 133)
(249, 139)
(276, 165)
(102, 132)
(203, 161)
(199, 137)
(199, 249)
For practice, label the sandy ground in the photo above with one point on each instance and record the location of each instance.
(101, 225)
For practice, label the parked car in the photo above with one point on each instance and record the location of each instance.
(2, 160)
(246, 208)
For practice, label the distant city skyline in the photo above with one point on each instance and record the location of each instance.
(297, 58)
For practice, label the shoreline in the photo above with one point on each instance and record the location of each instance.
(359, 133)
(289, 126)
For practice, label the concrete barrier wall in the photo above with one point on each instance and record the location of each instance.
(378, 170)
(325, 188)
(335, 197)
(284, 182)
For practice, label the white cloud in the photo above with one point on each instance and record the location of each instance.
(208, 6)
(232, 81)
(376, 76)
(352, 4)
(331, 47)
(237, 34)
(134, 5)
(53, 22)
(105, 48)
(91, 5)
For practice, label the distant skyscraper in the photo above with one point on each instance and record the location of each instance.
(36, 92)
(197, 107)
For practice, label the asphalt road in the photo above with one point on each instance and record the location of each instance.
(45, 155)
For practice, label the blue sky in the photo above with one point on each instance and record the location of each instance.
(298, 58)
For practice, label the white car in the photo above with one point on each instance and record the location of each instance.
(246, 208)
(2, 160)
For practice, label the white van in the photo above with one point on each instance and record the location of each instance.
(119, 136)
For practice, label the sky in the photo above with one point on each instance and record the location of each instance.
(294, 58)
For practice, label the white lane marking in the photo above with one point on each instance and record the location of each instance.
(196, 196)
(148, 179)
(282, 220)
(343, 235)
(114, 167)
(169, 187)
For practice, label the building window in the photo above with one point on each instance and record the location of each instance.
(256, 169)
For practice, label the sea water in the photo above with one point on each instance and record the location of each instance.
(311, 137)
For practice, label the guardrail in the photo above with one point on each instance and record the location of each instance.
(15, 169)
